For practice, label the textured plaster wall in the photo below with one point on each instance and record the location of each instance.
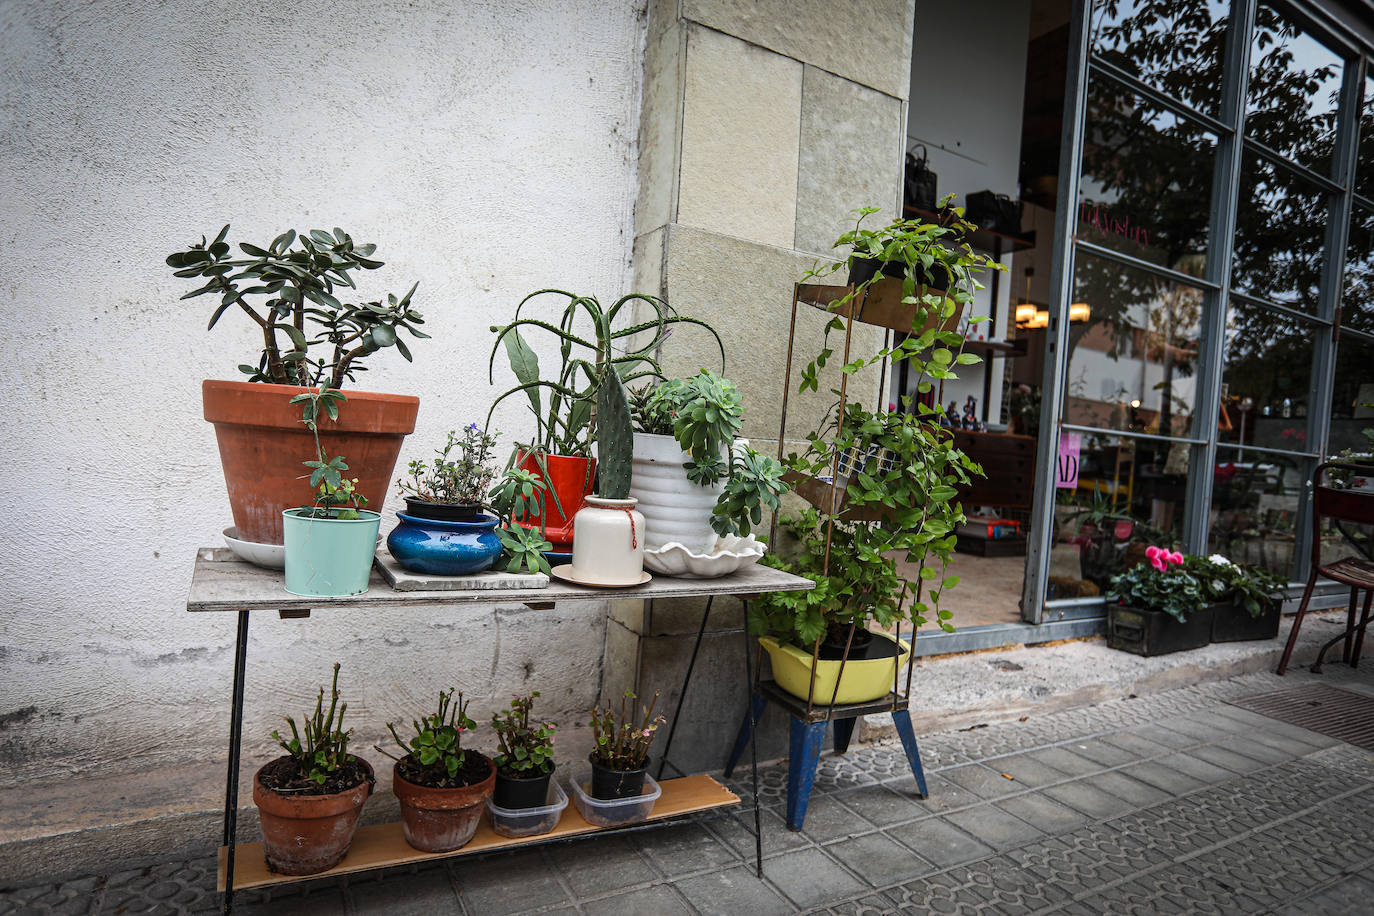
(487, 148)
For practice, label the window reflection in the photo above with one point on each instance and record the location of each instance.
(1294, 92)
(1133, 354)
(1352, 399)
(1280, 235)
(1256, 499)
(1267, 378)
(1147, 178)
(1357, 300)
(1175, 46)
(1130, 494)
(1364, 168)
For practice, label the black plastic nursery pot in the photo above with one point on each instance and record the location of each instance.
(611, 784)
(442, 512)
(516, 792)
(1233, 623)
(1151, 632)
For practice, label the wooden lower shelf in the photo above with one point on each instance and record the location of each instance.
(384, 845)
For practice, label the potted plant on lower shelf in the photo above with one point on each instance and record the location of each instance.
(1159, 606)
(443, 530)
(1246, 599)
(701, 490)
(525, 762)
(309, 800)
(620, 755)
(441, 786)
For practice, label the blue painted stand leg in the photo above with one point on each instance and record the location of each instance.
(844, 730)
(902, 719)
(746, 733)
(804, 753)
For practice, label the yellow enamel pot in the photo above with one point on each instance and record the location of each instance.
(864, 679)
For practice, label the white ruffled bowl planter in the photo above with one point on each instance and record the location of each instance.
(730, 554)
(675, 509)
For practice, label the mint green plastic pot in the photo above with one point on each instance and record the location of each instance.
(329, 557)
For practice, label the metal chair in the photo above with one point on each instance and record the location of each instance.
(1338, 505)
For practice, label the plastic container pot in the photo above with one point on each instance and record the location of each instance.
(518, 822)
(612, 813)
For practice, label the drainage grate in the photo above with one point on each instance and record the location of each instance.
(1326, 710)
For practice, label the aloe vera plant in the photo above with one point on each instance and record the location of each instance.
(586, 400)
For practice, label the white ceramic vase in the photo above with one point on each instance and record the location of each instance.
(675, 509)
(608, 542)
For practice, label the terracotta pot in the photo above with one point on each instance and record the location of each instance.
(262, 443)
(308, 834)
(571, 478)
(441, 820)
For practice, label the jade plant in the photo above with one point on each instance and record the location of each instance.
(320, 746)
(704, 414)
(623, 743)
(898, 501)
(436, 749)
(290, 290)
(586, 400)
(526, 744)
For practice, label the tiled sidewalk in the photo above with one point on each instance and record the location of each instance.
(1176, 802)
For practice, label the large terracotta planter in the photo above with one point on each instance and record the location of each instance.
(262, 443)
(441, 820)
(308, 834)
(572, 479)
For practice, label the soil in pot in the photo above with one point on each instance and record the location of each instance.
(442, 512)
(442, 817)
(516, 792)
(863, 647)
(306, 827)
(608, 783)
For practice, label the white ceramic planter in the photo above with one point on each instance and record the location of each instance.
(675, 509)
(608, 542)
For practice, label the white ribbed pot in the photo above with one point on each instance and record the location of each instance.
(608, 542)
(675, 509)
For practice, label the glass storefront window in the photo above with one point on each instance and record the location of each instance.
(1130, 493)
(1267, 379)
(1147, 178)
(1256, 502)
(1364, 167)
(1132, 350)
(1175, 47)
(1357, 297)
(1294, 93)
(1352, 398)
(1280, 235)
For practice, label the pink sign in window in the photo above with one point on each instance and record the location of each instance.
(1070, 447)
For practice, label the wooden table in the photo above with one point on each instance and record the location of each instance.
(222, 583)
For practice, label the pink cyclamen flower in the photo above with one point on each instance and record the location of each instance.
(1152, 553)
(1159, 564)
(1176, 557)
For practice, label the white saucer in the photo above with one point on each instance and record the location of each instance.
(268, 556)
(565, 572)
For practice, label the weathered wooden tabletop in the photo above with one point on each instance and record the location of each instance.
(222, 582)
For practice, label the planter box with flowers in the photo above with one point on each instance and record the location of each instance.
(1248, 598)
(1159, 607)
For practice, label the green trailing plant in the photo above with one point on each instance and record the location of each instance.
(335, 494)
(521, 494)
(289, 290)
(898, 471)
(586, 400)
(623, 743)
(460, 479)
(320, 746)
(704, 414)
(526, 744)
(1165, 583)
(436, 749)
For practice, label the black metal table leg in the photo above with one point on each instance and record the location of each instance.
(754, 742)
(231, 781)
(682, 694)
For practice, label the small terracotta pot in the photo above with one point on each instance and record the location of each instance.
(441, 820)
(262, 443)
(308, 834)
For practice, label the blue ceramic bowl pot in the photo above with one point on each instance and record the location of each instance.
(426, 545)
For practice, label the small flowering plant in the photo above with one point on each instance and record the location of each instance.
(1251, 587)
(623, 744)
(526, 746)
(436, 748)
(458, 477)
(1163, 583)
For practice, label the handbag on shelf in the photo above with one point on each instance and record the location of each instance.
(990, 210)
(918, 188)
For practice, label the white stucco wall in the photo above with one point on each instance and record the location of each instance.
(488, 149)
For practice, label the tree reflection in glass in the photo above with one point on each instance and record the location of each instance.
(1175, 46)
